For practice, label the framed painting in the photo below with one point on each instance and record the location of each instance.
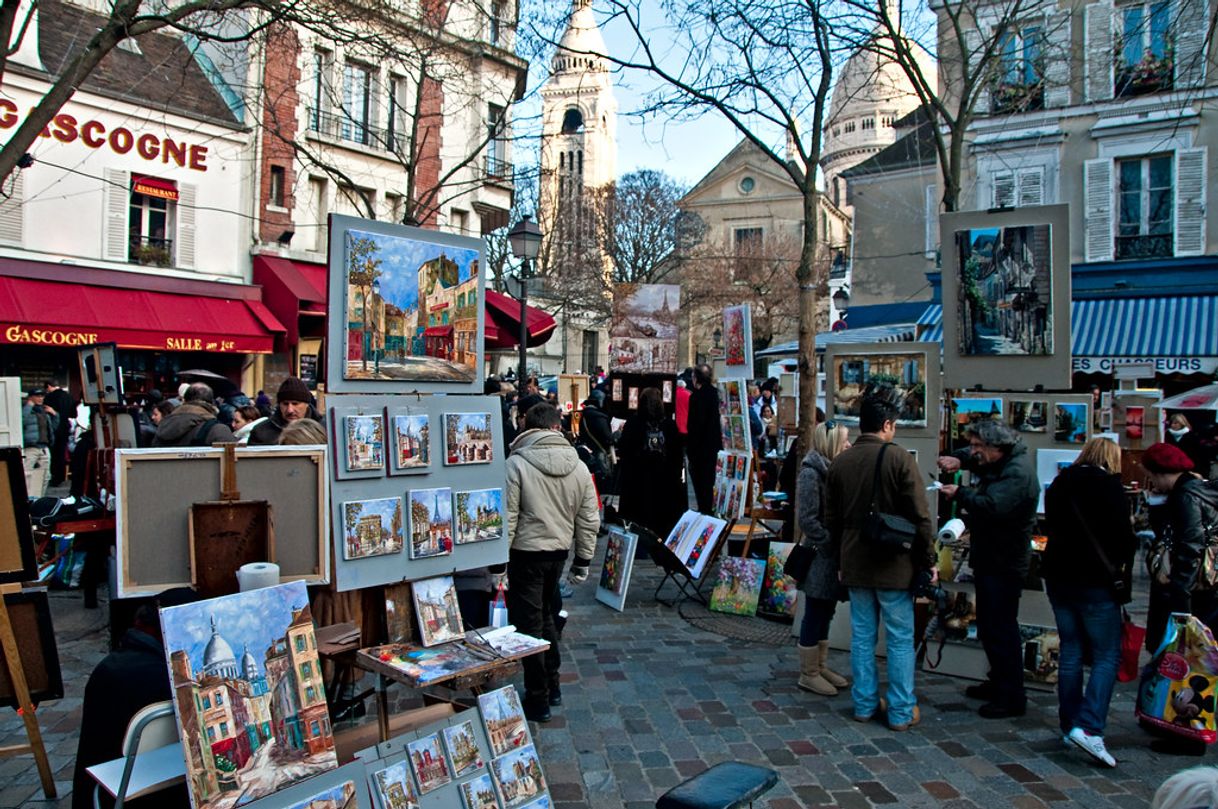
(229, 659)
(908, 373)
(29, 612)
(518, 774)
(643, 329)
(431, 767)
(431, 522)
(394, 788)
(479, 793)
(365, 437)
(435, 604)
(633, 399)
(17, 562)
(468, 439)
(702, 543)
(1072, 422)
(372, 527)
(615, 572)
(405, 309)
(738, 588)
(462, 745)
(480, 516)
(1006, 293)
(1030, 416)
(616, 390)
(503, 720)
(738, 340)
(409, 442)
(1049, 463)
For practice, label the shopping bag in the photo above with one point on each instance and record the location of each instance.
(1177, 692)
(1132, 638)
(499, 615)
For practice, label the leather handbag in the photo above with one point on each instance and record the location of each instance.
(799, 562)
(891, 532)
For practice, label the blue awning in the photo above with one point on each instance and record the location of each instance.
(1178, 326)
(897, 333)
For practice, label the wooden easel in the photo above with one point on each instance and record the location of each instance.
(16, 673)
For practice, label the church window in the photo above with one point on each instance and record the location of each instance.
(572, 121)
(562, 160)
(747, 184)
(868, 123)
(848, 127)
(580, 155)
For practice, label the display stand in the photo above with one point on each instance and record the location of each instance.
(16, 673)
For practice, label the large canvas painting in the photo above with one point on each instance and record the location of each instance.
(412, 309)
(615, 572)
(467, 439)
(365, 443)
(393, 787)
(435, 602)
(431, 768)
(738, 588)
(519, 776)
(738, 340)
(431, 522)
(372, 527)
(643, 333)
(903, 374)
(411, 442)
(339, 797)
(480, 515)
(503, 719)
(249, 695)
(1005, 290)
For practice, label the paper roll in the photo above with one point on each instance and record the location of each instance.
(257, 575)
(951, 531)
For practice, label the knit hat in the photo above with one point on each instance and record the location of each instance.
(293, 390)
(1164, 459)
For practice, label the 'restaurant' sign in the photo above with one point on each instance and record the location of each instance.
(22, 334)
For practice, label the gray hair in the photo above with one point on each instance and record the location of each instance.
(994, 433)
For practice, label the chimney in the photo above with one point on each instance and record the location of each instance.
(26, 22)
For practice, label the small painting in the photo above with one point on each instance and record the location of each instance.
(393, 787)
(1070, 423)
(372, 527)
(467, 439)
(541, 803)
(643, 329)
(462, 747)
(435, 603)
(431, 522)
(633, 402)
(778, 590)
(971, 411)
(738, 588)
(666, 391)
(339, 797)
(480, 515)
(365, 443)
(1005, 291)
(518, 774)
(479, 793)
(503, 719)
(1030, 416)
(738, 340)
(615, 572)
(430, 766)
(616, 390)
(1134, 420)
(411, 442)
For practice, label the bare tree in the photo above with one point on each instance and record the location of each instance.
(638, 225)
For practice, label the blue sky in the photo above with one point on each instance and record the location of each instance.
(383, 507)
(433, 590)
(400, 262)
(252, 619)
(479, 421)
(486, 498)
(976, 405)
(430, 497)
(365, 429)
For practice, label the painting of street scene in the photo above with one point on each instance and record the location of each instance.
(430, 767)
(1070, 423)
(467, 438)
(365, 443)
(394, 788)
(412, 309)
(1030, 416)
(248, 692)
(503, 720)
(479, 515)
(339, 797)
(431, 522)
(372, 527)
(411, 442)
(643, 333)
(1005, 291)
(903, 374)
(479, 793)
(519, 776)
(435, 602)
(462, 747)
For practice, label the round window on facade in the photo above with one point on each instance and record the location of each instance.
(747, 184)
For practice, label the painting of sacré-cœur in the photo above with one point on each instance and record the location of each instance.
(248, 692)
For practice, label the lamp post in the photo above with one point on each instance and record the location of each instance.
(376, 354)
(841, 301)
(717, 336)
(525, 239)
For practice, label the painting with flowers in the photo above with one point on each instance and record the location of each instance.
(778, 590)
(738, 588)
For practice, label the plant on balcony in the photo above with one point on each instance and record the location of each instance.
(1147, 75)
(151, 255)
(1018, 96)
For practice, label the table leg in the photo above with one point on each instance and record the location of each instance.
(382, 705)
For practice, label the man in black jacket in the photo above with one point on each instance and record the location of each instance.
(705, 437)
(293, 402)
(195, 424)
(1000, 512)
(63, 404)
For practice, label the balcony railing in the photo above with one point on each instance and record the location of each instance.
(150, 251)
(344, 128)
(497, 169)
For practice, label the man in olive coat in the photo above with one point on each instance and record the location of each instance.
(879, 580)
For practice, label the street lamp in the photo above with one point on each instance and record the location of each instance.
(841, 301)
(525, 239)
(376, 355)
(718, 337)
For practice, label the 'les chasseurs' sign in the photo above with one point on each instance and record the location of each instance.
(66, 128)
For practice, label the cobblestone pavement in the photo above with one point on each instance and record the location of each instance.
(650, 700)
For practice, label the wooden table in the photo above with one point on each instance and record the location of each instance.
(95, 536)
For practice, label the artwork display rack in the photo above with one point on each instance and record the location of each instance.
(16, 673)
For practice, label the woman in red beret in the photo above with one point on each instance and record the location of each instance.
(1192, 512)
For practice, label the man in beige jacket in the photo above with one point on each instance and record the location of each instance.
(551, 506)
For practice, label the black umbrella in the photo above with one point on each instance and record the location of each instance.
(222, 385)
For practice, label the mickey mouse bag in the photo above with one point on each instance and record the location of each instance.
(1177, 693)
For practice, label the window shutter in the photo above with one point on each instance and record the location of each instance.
(1191, 25)
(1003, 195)
(974, 46)
(12, 210)
(1097, 219)
(1190, 202)
(1098, 51)
(186, 226)
(118, 200)
(1058, 55)
(1031, 188)
(932, 220)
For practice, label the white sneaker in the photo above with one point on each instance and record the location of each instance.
(1094, 745)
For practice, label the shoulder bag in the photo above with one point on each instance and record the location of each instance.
(1121, 580)
(891, 532)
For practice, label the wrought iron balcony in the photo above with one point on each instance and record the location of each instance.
(344, 128)
(150, 251)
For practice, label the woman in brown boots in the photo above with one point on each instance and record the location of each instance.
(822, 588)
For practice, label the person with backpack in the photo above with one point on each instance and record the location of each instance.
(196, 423)
(649, 467)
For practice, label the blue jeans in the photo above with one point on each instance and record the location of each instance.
(867, 606)
(1087, 618)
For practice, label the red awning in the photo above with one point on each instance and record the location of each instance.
(64, 313)
(290, 289)
(503, 322)
(438, 331)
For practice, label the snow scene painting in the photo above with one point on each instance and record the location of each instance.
(248, 692)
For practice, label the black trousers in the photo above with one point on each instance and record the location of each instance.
(702, 476)
(998, 630)
(532, 588)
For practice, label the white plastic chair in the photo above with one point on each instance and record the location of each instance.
(153, 727)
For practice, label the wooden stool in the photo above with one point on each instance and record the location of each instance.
(727, 785)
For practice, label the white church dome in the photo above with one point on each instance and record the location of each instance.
(218, 657)
(582, 37)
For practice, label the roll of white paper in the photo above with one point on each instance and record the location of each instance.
(951, 531)
(257, 575)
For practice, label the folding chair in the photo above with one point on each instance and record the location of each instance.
(152, 728)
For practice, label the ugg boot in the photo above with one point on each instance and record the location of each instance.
(831, 676)
(809, 673)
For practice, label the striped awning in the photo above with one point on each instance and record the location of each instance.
(1178, 326)
(896, 333)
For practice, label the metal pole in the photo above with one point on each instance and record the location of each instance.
(523, 373)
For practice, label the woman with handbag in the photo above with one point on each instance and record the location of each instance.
(1087, 567)
(821, 586)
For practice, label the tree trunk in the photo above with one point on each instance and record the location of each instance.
(808, 283)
